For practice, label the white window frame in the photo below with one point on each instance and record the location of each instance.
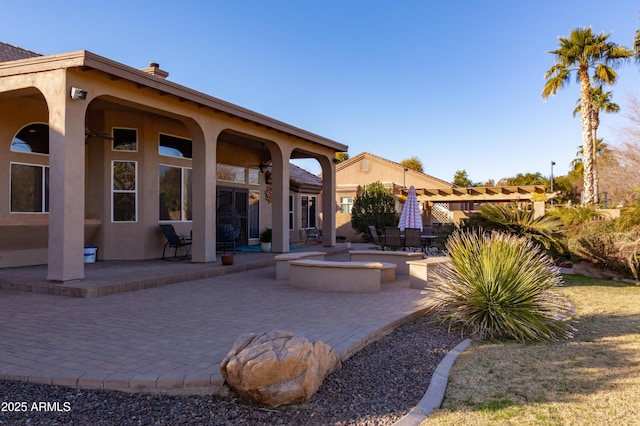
(183, 210)
(237, 182)
(249, 172)
(292, 214)
(135, 191)
(315, 204)
(44, 167)
(349, 203)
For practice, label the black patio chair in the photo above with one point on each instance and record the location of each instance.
(392, 238)
(413, 240)
(175, 241)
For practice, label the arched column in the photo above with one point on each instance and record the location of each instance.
(66, 179)
(280, 198)
(204, 136)
(328, 201)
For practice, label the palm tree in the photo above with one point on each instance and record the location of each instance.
(600, 101)
(580, 52)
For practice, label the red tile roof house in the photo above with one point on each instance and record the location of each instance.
(97, 153)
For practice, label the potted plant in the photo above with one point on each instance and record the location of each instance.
(227, 259)
(265, 239)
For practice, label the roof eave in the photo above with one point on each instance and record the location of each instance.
(83, 58)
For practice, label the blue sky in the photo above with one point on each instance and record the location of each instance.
(455, 83)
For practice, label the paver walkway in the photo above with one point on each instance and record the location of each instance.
(173, 338)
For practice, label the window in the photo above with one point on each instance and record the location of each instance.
(32, 138)
(308, 214)
(253, 176)
(229, 173)
(125, 139)
(346, 204)
(290, 212)
(29, 188)
(124, 191)
(175, 193)
(174, 146)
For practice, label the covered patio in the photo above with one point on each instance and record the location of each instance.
(120, 142)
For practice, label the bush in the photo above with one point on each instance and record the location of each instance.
(577, 218)
(374, 205)
(614, 251)
(499, 287)
(597, 248)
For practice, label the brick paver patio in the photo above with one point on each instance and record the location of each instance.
(172, 338)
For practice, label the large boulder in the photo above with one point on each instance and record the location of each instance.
(278, 367)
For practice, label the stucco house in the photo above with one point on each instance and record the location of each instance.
(94, 152)
(366, 168)
(441, 202)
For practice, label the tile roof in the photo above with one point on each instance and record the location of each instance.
(303, 177)
(12, 53)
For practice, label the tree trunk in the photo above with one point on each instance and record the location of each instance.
(594, 138)
(589, 197)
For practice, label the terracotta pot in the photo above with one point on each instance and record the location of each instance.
(227, 259)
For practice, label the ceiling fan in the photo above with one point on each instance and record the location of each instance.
(263, 166)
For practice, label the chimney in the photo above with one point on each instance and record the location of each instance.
(154, 69)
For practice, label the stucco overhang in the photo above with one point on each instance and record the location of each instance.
(88, 61)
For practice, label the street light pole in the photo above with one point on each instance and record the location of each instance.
(553, 163)
(404, 183)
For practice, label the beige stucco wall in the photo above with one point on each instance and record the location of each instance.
(142, 108)
(366, 169)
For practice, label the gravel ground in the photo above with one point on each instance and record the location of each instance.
(377, 386)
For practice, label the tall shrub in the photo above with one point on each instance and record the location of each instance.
(499, 287)
(373, 205)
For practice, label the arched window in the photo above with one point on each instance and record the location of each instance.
(30, 179)
(32, 138)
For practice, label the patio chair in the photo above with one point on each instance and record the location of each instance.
(392, 238)
(413, 240)
(175, 241)
(377, 239)
(312, 234)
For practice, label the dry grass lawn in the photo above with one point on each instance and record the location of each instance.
(593, 378)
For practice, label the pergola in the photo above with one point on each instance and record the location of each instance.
(429, 198)
(482, 194)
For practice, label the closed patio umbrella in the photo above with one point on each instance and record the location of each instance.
(410, 216)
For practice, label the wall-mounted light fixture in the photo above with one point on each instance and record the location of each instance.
(78, 94)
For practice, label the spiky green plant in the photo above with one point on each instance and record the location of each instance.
(543, 230)
(498, 286)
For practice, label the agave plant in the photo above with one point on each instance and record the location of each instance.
(499, 286)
